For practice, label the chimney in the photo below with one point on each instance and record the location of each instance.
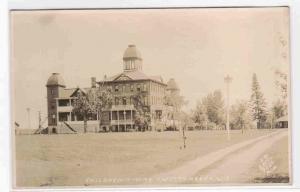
(93, 82)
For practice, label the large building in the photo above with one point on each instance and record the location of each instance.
(120, 117)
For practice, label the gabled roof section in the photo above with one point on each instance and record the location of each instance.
(122, 77)
(66, 93)
(71, 92)
(134, 75)
(84, 91)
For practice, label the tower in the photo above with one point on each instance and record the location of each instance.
(132, 59)
(54, 84)
(172, 87)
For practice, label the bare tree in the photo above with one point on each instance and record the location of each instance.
(199, 115)
(214, 105)
(142, 115)
(83, 106)
(240, 117)
(175, 101)
(100, 99)
(282, 83)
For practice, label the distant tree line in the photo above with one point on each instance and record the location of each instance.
(209, 112)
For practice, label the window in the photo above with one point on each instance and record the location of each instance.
(158, 114)
(116, 101)
(52, 92)
(63, 116)
(145, 87)
(63, 102)
(124, 101)
(116, 88)
(138, 87)
(79, 117)
(131, 87)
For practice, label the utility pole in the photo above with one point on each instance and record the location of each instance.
(40, 122)
(184, 137)
(28, 113)
(227, 80)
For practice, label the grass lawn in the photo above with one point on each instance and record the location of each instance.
(279, 155)
(104, 159)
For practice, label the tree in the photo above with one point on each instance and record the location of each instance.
(83, 106)
(240, 118)
(214, 105)
(100, 99)
(282, 83)
(186, 121)
(199, 115)
(142, 115)
(257, 104)
(278, 109)
(175, 101)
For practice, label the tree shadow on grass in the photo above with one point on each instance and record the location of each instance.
(273, 179)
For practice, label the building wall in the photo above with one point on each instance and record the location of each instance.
(52, 94)
(122, 112)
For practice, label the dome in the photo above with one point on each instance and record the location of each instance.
(132, 52)
(172, 85)
(56, 79)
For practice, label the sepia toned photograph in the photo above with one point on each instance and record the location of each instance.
(187, 97)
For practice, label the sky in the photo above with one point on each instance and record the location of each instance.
(196, 47)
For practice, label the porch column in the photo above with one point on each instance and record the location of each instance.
(118, 121)
(124, 113)
(70, 119)
(131, 119)
(57, 106)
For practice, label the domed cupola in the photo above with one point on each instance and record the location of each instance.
(55, 80)
(132, 59)
(172, 86)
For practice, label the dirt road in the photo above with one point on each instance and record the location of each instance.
(229, 165)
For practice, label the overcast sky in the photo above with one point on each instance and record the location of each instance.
(197, 47)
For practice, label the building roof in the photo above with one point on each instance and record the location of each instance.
(56, 79)
(134, 75)
(172, 85)
(283, 118)
(67, 93)
(132, 52)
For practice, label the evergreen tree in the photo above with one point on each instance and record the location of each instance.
(257, 104)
